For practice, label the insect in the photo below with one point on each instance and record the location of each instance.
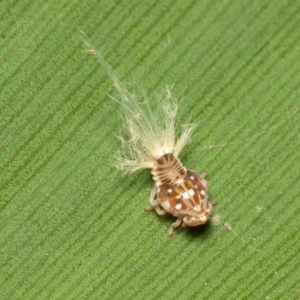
(152, 142)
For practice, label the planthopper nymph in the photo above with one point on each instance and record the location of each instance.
(150, 141)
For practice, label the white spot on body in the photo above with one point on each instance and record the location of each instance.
(188, 194)
(192, 177)
(169, 191)
(178, 206)
(202, 192)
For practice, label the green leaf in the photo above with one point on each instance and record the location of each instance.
(72, 226)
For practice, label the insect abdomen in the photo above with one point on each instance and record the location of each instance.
(167, 170)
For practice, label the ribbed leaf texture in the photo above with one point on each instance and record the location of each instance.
(72, 226)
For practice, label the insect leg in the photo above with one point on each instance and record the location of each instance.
(174, 225)
(154, 203)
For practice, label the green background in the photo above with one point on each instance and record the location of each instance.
(72, 226)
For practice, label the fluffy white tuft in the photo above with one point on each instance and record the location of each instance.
(150, 127)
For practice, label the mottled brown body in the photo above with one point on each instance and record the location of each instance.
(180, 192)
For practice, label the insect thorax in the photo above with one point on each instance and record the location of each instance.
(181, 192)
